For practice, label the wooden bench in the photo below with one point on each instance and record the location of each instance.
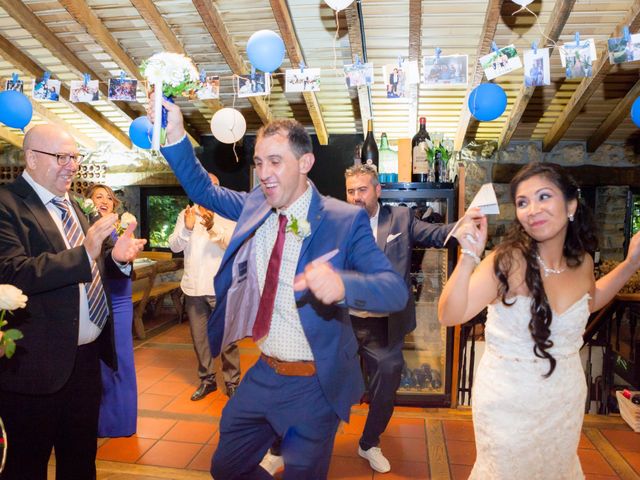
(145, 288)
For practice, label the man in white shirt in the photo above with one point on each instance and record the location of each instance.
(203, 237)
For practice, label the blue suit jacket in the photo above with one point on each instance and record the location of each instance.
(369, 280)
(398, 232)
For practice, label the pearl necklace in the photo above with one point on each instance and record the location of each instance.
(547, 270)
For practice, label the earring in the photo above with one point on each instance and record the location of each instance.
(571, 217)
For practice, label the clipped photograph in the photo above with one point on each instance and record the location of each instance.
(445, 70)
(358, 74)
(18, 85)
(253, 85)
(307, 80)
(578, 59)
(81, 92)
(503, 60)
(209, 89)
(123, 89)
(46, 89)
(395, 79)
(622, 50)
(537, 70)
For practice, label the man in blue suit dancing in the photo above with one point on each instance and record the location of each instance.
(296, 263)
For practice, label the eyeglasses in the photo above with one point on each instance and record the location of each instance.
(63, 158)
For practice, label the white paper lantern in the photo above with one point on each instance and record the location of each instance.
(338, 5)
(228, 125)
(523, 3)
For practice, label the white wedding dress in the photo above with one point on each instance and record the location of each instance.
(527, 426)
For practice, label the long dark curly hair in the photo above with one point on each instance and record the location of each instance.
(580, 239)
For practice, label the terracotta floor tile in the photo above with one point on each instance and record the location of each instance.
(405, 471)
(355, 425)
(458, 430)
(164, 387)
(151, 372)
(213, 441)
(150, 401)
(461, 453)
(347, 468)
(623, 440)
(460, 472)
(192, 432)
(406, 427)
(346, 445)
(632, 459)
(591, 476)
(585, 442)
(216, 407)
(183, 375)
(149, 427)
(593, 462)
(404, 449)
(144, 383)
(126, 450)
(202, 460)
(170, 454)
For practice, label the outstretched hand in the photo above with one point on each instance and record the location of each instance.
(321, 280)
(127, 246)
(97, 233)
(471, 231)
(175, 124)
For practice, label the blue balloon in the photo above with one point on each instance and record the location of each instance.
(140, 132)
(15, 109)
(635, 112)
(265, 50)
(487, 102)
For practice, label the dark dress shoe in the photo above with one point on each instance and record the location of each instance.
(203, 390)
(231, 389)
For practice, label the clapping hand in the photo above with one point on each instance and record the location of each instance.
(127, 247)
(97, 233)
(207, 218)
(189, 217)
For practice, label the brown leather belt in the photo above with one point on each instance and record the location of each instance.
(304, 368)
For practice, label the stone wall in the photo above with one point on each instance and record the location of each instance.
(480, 157)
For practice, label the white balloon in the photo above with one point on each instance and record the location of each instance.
(338, 5)
(228, 125)
(523, 3)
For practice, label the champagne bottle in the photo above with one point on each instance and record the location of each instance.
(420, 145)
(369, 153)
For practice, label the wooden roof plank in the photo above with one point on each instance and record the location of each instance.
(589, 85)
(355, 43)
(559, 18)
(10, 136)
(218, 30)
(51, 117)
(491, 19)
(13, 55)
(294, 51)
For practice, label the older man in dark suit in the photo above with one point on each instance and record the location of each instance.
(381, 335)
(50, 389)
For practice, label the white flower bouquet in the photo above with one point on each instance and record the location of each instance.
(10, 299)
(125, 219)
(171, 74)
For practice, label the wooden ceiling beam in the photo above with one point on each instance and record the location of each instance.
(220, 34)
(294, 51)
(83, 14)
(558, 18)
(355, 42)
(13, 55)
(46, 114)
(165, 35)
(415, 54)
(10, 136)
(491, 19)
(589, 85)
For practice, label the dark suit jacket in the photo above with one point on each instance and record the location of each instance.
(370, 282)
(401, 220)
(35, 259)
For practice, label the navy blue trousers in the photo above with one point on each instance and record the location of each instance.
(265, 406)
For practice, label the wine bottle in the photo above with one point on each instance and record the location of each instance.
(420, 144)
(369, 153)
(437, 161)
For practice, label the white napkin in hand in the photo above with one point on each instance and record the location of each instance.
(485, 200)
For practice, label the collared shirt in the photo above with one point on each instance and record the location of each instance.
(203, 251)
(88, 331)
(286, 339)
(373, 221)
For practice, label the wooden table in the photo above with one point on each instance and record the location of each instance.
(145, 289)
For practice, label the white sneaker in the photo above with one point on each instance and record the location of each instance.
(272, 463)
(376, 459)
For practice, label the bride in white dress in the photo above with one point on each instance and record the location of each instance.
(529, 396)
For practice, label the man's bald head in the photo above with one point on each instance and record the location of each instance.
(42, 137)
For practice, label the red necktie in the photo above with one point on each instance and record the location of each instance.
(268, 297)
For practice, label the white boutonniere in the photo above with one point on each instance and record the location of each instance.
(299, 227)
(87, 206)
(125, 219)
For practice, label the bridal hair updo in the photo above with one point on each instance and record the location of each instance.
(580, 240)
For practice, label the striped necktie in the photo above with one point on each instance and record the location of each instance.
(98, 308)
